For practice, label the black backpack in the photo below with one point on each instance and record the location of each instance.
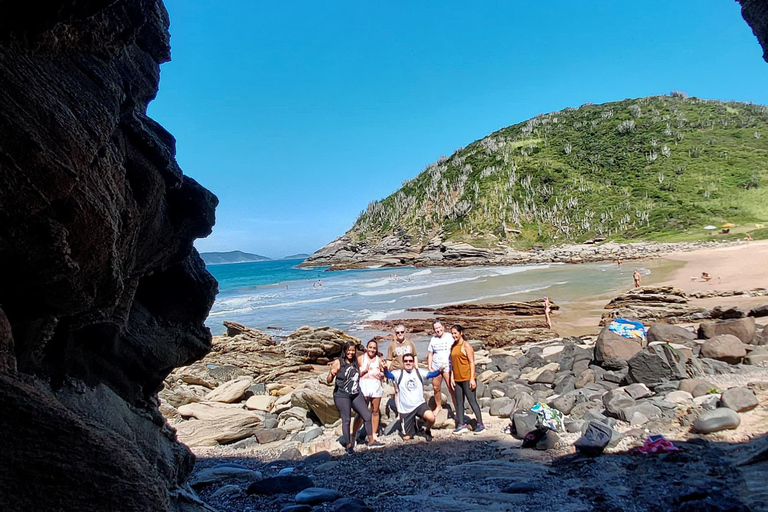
(402, 373)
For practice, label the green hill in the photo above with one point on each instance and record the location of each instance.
(655, 168)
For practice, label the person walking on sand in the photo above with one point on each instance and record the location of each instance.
(439, 356)
(547, 311)
(636, 277)
(410, 396)
(371, 372)
(464, 380)
(347, 396)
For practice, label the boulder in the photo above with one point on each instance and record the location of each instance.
(610, 345)
(564, 403)
(498, 403)
(646, 410)
(724, 347)
(615, 401)
(270, 435)
(679, 397)
(638, 391)
(260, 402)
(656, 364)
(231, 391)
(759, 311)
(350, 505)
(317, 398)
(669, 333)
(522, 400)
(714, 421)
(225, 427)
(689, 385)
(315, 345)
(316, 495)
(757, 356)
(742, 328)
(222, 472)
(282, 484)
(738, 399)
(585, 377)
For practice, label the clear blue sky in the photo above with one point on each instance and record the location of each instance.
(296, 114)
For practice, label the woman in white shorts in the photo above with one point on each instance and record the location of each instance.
(371, 372)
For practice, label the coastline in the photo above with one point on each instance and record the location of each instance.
(733, 267)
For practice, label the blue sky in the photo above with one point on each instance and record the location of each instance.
(297, 114)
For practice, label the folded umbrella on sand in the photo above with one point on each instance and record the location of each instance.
(710, 227)
(729, 225)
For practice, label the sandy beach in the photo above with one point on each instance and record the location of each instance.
(732, 268)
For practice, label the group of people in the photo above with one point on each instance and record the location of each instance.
(358, 386)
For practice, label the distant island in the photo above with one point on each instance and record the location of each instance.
(217, 258)
(300, 256)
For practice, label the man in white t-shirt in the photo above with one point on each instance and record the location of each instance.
(410, 397)
(439, 357)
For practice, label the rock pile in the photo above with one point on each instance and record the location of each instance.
(671, 305)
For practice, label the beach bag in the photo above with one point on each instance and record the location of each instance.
(533, 437)
(627, 328)
(595, 439)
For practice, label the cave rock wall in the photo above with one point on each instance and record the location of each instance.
(101, 291)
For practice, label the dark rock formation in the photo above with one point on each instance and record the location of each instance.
(102, 292)
(755, 13)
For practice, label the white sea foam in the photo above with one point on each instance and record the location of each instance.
(385, 301)
(382, 315)
(424, 272)
(425, 286)
(505, 271)
(376, 284)
(413, 295)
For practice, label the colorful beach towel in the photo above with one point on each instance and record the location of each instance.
(548, 417)
(627, 328)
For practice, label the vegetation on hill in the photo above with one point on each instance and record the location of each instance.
(654, 168)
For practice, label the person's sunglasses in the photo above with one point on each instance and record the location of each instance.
(399, 332)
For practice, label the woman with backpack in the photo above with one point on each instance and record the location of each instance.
(464, 380)
(347, 396)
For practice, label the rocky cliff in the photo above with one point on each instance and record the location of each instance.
(755, 13)
(101, 293)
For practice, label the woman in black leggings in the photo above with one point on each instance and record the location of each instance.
(347, 396)
(464, 380)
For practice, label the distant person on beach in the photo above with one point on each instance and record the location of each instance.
(618, 262)
(439, 356)
(410, 397)
(705, 276)
(636, 277)
(547, 311)
(464, 380)
(347, 396)
(398, 348)
(749, 237)
(371, 372)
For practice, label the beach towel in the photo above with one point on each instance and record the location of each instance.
(627, 328)
(548, 417)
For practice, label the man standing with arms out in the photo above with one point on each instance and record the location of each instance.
(398, 348)
(439, 358)
(636, 278)
(409, 382)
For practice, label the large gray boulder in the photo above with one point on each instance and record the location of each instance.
(714, 421)
(738, 399)
(657, 364)
(317, 398)
(669, 333)
(724, 347)
(610, 345)
(742, 328)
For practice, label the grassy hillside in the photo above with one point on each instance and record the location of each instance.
(655, 168)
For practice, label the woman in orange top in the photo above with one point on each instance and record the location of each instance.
(463, 380)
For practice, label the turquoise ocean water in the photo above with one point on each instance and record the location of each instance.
(276, 294)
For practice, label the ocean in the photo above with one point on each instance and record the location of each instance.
(278, 297)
